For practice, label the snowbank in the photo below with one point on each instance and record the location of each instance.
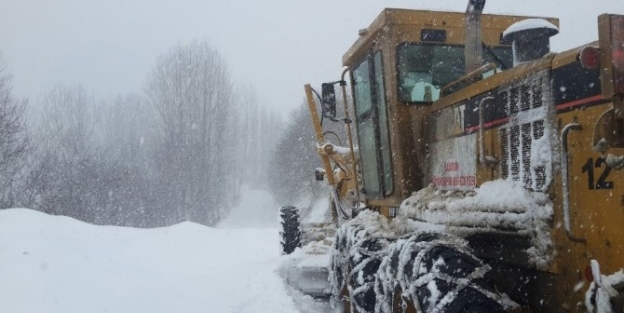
(57, 264)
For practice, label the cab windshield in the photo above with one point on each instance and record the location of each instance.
(424, 69)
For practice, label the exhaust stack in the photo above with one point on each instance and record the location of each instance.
(473, 42)
(531, 39)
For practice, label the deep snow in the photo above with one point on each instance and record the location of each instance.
(57, 264)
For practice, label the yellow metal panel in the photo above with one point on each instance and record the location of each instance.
(411, 22)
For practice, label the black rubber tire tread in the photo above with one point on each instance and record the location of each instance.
(371, 251)
(372, 270)
(354, 266)
(387, 285)
(458, 265)
(472, 300)
(290, 235)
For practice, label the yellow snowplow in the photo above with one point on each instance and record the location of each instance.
(483, 172)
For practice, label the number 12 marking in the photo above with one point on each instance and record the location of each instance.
(589, 168)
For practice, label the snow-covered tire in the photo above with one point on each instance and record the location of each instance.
(290, 234)
(353, 269)
(363, 275)
(399, 262)
(450, 279)
(354, 263)
(339, 270)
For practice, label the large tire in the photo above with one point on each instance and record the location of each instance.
(427, 272)
(363, 275)
(451, 281)
(396, 270)
(354, 264)
(290, 234)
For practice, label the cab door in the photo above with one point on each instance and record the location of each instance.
(372, 126)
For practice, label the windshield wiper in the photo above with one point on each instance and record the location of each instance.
(503, 65)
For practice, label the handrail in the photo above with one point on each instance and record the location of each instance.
(565, 183)
(343, 85)
(483, 160)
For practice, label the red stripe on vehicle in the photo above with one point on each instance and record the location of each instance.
(571, 104)
(487, 125)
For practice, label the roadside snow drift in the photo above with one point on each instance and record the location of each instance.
(57, 264)
(256, 210)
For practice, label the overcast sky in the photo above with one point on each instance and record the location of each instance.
(276, 45)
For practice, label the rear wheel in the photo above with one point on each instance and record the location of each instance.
(354, 265)
(363, 275)
(290, 229)
(474, 301)
(451, 280)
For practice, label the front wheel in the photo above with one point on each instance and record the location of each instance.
(290, 234)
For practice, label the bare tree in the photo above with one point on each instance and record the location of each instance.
(127, 141)
(294, 160)
(13, 142)
(259, 129)
(67, 153)
(191, 90)
(179, 153)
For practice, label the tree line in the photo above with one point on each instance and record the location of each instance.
(179, 150)
(293, 164)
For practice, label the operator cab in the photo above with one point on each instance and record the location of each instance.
(399, 66)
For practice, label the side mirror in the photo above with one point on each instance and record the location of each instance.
(329, 100)
(319, 174)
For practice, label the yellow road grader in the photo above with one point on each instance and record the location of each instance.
(482, 172)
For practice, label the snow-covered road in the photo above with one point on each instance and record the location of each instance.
(57, 264)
